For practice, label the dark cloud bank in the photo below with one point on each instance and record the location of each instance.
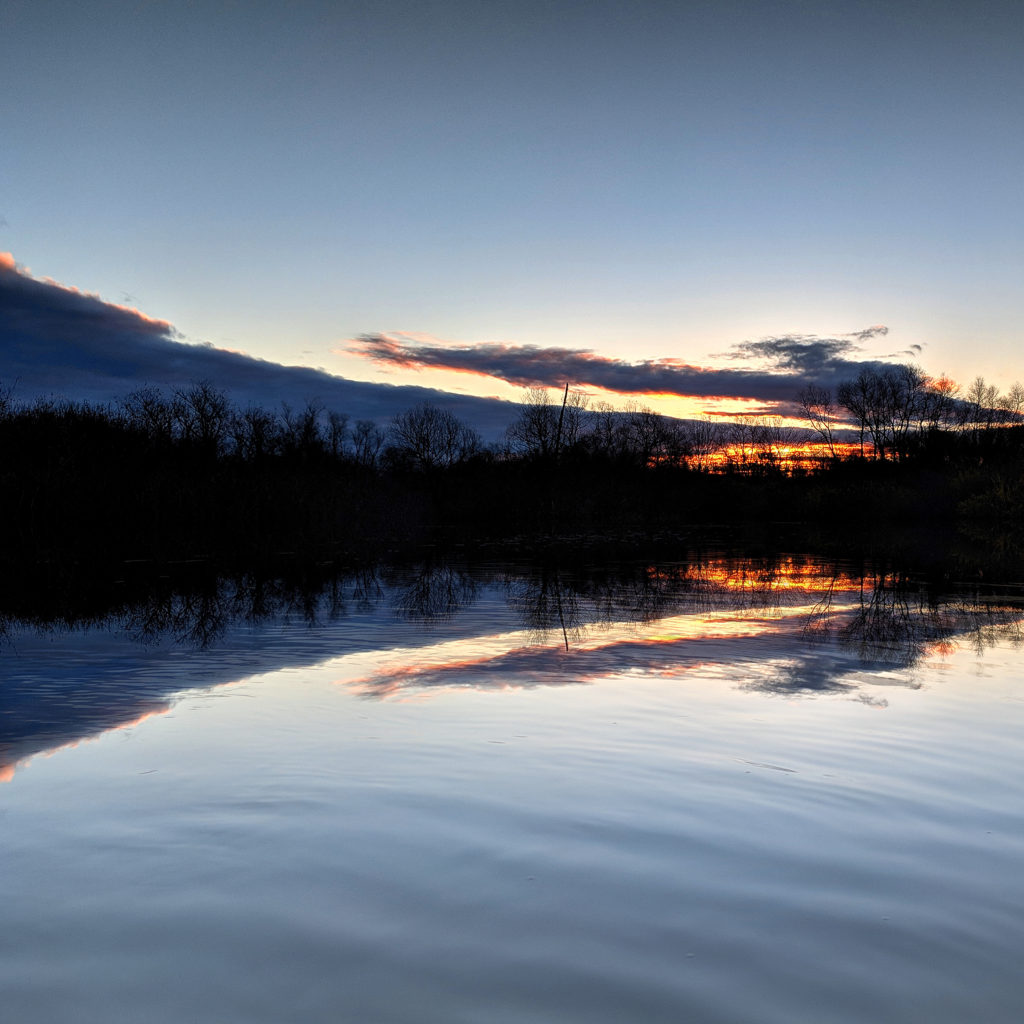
(58, 341)
(788, 364)
(55, 340)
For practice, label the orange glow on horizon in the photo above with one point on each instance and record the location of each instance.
(788, 573)
(801, 455)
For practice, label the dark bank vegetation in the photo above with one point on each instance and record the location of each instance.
(190, 476)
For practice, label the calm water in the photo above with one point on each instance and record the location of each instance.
(724, 792)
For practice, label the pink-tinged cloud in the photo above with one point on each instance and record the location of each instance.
(22, 293)
(766, 649)
(788, 363)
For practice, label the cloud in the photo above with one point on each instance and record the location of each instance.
(57, 340)
(877, 331)
(792, 360)
(910, 352)
(803, 354)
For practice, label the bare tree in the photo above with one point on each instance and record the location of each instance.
(337, 433)
(646, 434)
(904, 390)
(982, 400)
(256, 433)
(741, 436)
(429, 438)
(1012, 403)
(367, 441)
(886, 404)
(534, 431)
(856, 397)
(769, 438)
(605, 435)
(149, 411)
(543, 428)
(204, 415)
(572, 418)
(939, 403)
(703, 439)
(821, 413)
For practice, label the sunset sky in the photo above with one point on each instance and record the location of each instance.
(480, 190)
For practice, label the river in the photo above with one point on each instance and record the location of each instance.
(718, 791)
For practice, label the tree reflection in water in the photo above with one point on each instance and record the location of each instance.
(788, 625)
(430, 592)
(881, 616)
(897, 621)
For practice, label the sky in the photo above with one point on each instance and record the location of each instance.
(477, 195)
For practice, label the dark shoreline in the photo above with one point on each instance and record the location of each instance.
(95, 486)
(90, 589)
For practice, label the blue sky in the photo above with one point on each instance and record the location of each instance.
(648, 180)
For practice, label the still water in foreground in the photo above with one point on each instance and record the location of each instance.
(726, 791)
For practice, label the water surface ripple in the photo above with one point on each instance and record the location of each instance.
(727, 791)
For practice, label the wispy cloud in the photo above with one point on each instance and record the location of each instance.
(877, 331)
(787, 363)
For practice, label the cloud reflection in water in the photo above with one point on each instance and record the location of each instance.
(789, 626)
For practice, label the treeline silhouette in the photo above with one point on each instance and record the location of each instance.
(188, 475)
(899, 410)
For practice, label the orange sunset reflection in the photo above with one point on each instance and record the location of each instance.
(797, 626)
(683, 616)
